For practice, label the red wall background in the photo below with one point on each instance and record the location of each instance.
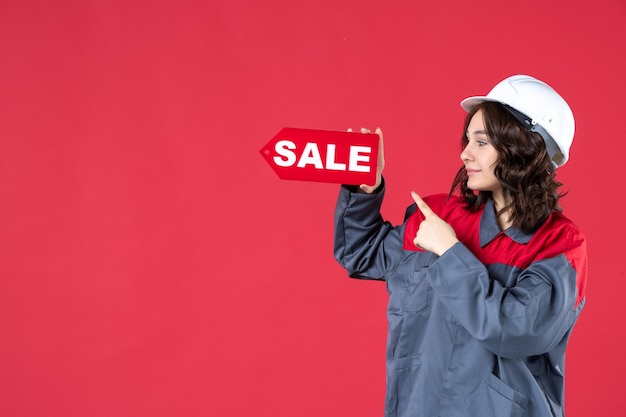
(152, 264)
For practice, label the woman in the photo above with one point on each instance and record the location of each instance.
(485, 283)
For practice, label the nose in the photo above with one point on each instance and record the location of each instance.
(466, 154)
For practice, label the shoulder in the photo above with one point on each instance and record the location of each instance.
(560, 236)
(559, 228)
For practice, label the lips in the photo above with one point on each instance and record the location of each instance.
(472, 171)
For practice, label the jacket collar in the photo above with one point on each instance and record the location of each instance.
(489, 228)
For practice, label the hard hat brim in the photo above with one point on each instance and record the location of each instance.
(470, 102)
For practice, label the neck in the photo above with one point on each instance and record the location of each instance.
(503, 217)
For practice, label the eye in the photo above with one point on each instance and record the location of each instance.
(482, 143)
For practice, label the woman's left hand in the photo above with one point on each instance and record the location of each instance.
(434, 234)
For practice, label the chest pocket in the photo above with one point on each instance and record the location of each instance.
(417, 292)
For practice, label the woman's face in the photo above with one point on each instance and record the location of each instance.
(480, 157)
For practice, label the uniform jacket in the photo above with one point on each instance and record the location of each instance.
(480, 331)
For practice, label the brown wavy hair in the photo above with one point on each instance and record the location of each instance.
(524, 169)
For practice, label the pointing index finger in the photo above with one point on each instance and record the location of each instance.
(421, 205)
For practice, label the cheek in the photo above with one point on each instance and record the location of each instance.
(491, 162)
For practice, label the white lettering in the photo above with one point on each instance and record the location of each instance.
(330, 159)
(282, 148)
(311, 155)
(287, 155)
(356, 157)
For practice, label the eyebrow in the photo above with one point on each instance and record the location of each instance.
(477, 132)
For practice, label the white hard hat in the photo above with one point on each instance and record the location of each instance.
(539, 108)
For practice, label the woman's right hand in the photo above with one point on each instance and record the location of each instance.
(369, 189)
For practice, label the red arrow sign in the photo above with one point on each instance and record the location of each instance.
(323, 156)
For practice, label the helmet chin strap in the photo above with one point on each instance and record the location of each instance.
(556, 156)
